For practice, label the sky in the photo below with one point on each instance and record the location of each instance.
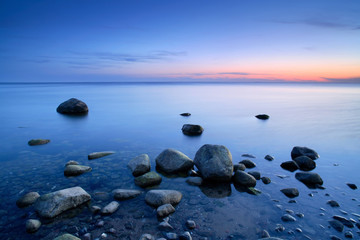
(179, 40)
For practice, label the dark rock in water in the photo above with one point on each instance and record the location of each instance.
(239, 166)
(75, 170)
(255, 174)
(35, 142)
(27, 200)
(333, 203)
(195, 181)
(333, 237)
(352, 186)
(73, 106)
(139, 165)
(72, 162)
(165, 210)
(216, 190)
(305, 163)
(290, 192)
(95, 155)
(288, 218)
(265, 234)
(157, 198)
(304, 151)
(348, 234)
(148, 179)
(309, 178)
(244, 179)
(66, 236)
(146, 236)
(32, 225)
(248, 155)
(165, 226)
(357, 225)
(269, 157)
(125, 194)
(110, 208)
(185, 114)
(171, 236)
(344, 221)
(248, 163)
(271, 238)
(190, 224)
(192, 130)
(214, 163)
(266, 180)
(338, 226)
(185, 236)
(290, 166)
(173, 161)
(53, 204)
(262, 116)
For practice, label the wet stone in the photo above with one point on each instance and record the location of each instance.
(165, 226)
(27, 199)
(266, 180)
(279, 228)
(265, 234)
(333, 203)
(96, 155)
(248, 163)
(240, 167)
(110, 208)
(349, 234)
(290, 166)
(344, 221)
(255, 174)
(190, 224)
(66, 236)
(171, 236)
(288, 218)
(269, 157)
(352, 186)
(146, 236)
(165, 210)
(338, 226)
(292, 201)
(32, 225)
(185, 236)
(195, 181)
(35, 142)
(148, 179)
(246, 155)
(290, 192)
(125, 194)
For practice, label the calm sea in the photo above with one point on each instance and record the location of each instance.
(132, 119)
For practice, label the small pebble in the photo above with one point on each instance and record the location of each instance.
(300, 215)
(269, 157)
(100, 223)
(103, 236)
(265, 234)
(298, 230)
(349, 234)
(87, 236)
(185, 236)
(288, 218)
(190, 224)
(333, 203)
(279, 228)
(289, 211)
(171, 236)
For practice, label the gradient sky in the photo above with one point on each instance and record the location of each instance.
(185, 40)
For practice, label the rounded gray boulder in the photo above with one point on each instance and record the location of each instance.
(192, 129)
(244, 179)
(73, 106)
(214, 163)
(139, 165)
(173, 161)
(157, 198)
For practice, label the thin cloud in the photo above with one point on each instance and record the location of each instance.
(320, 23)
(344, 80)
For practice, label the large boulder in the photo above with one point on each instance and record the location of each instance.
(244, 179)
(139, 165)
(157, 198)
(173, 161)
(309, 178)
(73, 106)
(148, 179)
(304, 151)
(214, 163)
(192, 130)
(52, 204)
(305, 163)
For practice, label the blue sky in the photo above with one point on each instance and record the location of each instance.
(75, 40)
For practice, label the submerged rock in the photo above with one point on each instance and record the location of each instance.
(246, 155)
(173, 161)
(309, 178)
(148, 179)
(32, 225)
(52, 204)
(157, 198)
(288, 218)
(290, 192)
(304, 151)
(192, 130)
(195, 181)
(95, 155)
(139, 165)
(269, 157)
(185, 236)
(27, 199)
(333, 203)
(290, 166)
(305, 163)
(338, 226)
(240, 167)
(35, 142)
(266, 180)
(248, 163)
(73, 106)
(66, 236)
(352, 186)
(244, 179)
(255, 174)
(124, 194)
(214, 163)
(216, 189)
(110, 208)
(165, 210)
(75, 170)
(262, 116)
(344, 221)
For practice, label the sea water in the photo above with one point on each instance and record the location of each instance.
(132, 119)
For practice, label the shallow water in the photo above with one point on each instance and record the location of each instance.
(132, 119)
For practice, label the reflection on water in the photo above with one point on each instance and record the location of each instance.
(136, 119)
